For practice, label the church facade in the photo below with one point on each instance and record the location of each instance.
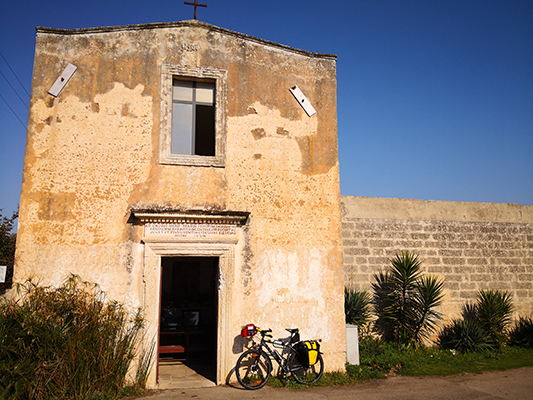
(192, 172)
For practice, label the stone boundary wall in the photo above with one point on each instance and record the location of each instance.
(472, 246)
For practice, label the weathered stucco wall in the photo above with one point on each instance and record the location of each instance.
(472, 246)
(92, 156)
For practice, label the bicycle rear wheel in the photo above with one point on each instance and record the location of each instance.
(253, 369)
(306, 375)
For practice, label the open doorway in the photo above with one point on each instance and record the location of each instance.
(188, 315)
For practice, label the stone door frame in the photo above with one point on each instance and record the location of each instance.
(222, 246)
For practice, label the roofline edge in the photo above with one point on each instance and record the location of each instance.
(177, 24)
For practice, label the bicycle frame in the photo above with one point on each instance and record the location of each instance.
(280, 359)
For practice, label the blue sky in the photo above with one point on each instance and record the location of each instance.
(435, 98)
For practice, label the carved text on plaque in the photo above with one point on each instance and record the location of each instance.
(189, 230)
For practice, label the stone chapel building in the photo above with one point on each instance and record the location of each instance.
(190, 171)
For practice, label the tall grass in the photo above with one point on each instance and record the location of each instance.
(67, 343)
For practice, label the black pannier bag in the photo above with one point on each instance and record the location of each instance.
(307, 352)
(295, 338)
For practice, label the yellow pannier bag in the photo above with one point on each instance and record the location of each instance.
(307, 352)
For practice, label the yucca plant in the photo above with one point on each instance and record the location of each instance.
(64, 343)
(406, 302)
(469, 311)
(463, 335)
(381, 302)
(483, 325)
(494, 309)
(521, 334)
(357, 307)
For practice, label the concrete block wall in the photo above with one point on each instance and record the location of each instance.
(472, 246)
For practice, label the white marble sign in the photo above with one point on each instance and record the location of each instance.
(189, 230)
(3, 272)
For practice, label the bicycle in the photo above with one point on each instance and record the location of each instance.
(254, 366)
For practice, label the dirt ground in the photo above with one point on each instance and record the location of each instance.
(516, 384)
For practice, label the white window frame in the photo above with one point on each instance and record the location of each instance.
(168, 73)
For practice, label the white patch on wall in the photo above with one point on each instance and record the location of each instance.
(293, 278)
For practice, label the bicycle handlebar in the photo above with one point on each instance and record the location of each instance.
(264, 332)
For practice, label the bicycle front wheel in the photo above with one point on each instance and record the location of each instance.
(306, 375)
(253, 369)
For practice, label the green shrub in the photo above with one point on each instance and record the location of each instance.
(406, 302)
(357, 307)
(7, 248)
(521, 334)
(381, 356)
(65, 343)
(463, 335)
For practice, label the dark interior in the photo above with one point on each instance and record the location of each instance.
(205, 131)
(188, 323)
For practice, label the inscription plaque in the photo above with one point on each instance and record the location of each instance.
(189, 230)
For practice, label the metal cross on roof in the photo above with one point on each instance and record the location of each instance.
(196, 5)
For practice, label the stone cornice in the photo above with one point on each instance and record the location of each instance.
(190, 218)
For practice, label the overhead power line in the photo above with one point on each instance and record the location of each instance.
(15, 74)
(9, 83)
(5, 101)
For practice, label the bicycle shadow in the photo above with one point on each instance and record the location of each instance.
(240, 344)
